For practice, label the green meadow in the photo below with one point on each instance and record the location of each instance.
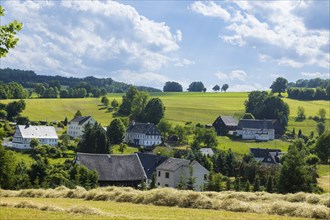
(180, 107)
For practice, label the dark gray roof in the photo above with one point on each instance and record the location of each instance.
(262, 152)
(172, 164)
(80, 119)
(150, 162)
(229, 120)
(255, 124)
(113, 167)
(145, 128)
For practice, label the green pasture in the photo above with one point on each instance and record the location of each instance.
(243, 147)
(180, 108)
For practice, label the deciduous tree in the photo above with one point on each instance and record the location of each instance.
(279, 85)
(8, 40)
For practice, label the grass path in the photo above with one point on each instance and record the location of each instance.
(115, 210)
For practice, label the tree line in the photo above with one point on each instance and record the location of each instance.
(193, 87)
(314, 89)
(29, 78)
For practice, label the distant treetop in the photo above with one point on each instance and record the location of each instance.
(172, 87)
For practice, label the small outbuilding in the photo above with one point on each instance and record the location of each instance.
(224, 124)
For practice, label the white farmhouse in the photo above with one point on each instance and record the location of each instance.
(251, 129)
(143, 134)
(171, 171)
(25, 133)
(76, 126)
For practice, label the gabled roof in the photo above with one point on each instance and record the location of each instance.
(228, 120)
(207, 151)
(145, 128)
(113, 167)
(80, 119)
(150, 162)
(29, 131)
(255, 124)
(263, 152)
(172, 164)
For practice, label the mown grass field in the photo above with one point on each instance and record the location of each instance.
(162, 203)
(114, 210)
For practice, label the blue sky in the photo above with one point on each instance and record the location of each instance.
(246, 44)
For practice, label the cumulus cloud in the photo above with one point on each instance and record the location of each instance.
(274, 28)
(233, 75)
(210, 9)
(141, 78)
(316, 74)
(246, 87)
(82, 38)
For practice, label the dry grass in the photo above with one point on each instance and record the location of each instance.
(76, 209)
(298, 205)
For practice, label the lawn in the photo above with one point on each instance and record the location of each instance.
(243, 147)
(115, 210)
(128, 150)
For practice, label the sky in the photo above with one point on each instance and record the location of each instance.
(246, 44)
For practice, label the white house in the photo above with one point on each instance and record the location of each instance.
(171, 171)
(76, 126)
(24, 134)
(250, 129)
(143, 134)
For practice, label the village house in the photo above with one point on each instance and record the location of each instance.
(253, 129)
(76, 126)
(172, 170)
(143, 134)
(25, 133)
(267, 156)
(225, 124)
(149, 163)
(117, 170)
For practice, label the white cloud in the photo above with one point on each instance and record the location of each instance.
(80, 38)
(233, 75)
(155, 80)
(210, 9)
(184, 62)
(316, 74)
(274, 28)
(246, 87)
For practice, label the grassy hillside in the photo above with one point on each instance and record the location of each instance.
(167, 203)
(180, 107)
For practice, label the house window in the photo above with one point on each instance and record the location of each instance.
(158, 184)
(158, 173)
(166, 185)
(205, 177)
(167, 175)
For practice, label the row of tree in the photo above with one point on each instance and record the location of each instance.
(311, 83)
(193, 87)
(29, 78)
(309, 93)
(12, 90)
